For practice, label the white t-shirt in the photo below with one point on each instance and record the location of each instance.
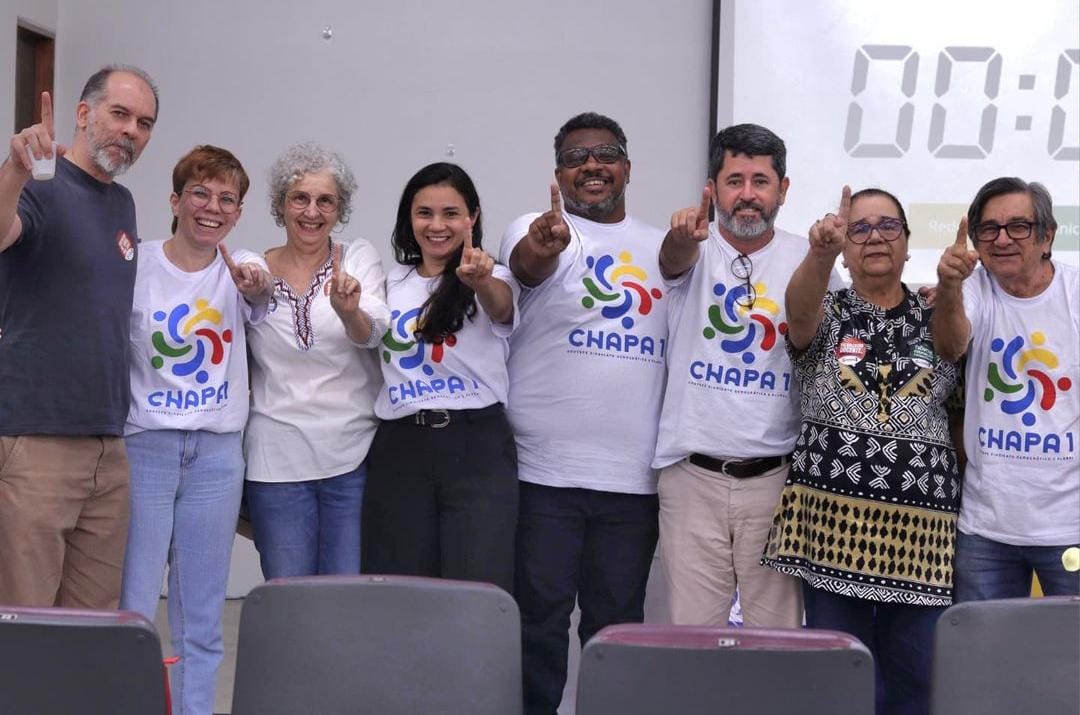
(1022, 417)
(587, 360)
(466, 371)
(731, 391)
(312, 389)
(188, 347)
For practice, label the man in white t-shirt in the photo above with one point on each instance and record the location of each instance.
(1017, 318)
(730, 416)
(586, 378)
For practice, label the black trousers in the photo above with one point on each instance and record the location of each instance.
(442, 502)
(595, 546)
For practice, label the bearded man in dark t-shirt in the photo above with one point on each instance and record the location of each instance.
(67, 271)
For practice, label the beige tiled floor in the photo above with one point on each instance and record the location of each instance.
(655, 612)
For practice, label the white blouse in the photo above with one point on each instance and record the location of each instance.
(312, 389)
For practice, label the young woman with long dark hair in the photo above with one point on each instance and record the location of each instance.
(442, 496)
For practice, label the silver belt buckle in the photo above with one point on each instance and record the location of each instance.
(444, 419)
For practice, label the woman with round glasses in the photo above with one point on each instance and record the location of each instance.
(867, 517)
(443, 490)
(189, 403)
(314, 374)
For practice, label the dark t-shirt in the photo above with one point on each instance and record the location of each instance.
(65, 306)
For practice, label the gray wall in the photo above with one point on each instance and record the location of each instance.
(399, 82)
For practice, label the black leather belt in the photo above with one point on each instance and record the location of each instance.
(437, 419)
(738, 468)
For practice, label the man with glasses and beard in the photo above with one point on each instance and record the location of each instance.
(730, 416)
(67, 273)
(586, 378)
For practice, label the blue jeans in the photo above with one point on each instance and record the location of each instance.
(987, 569)
(185, 494)
(307, 528)
(899, 636)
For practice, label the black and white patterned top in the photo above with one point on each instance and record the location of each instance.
(869, 508)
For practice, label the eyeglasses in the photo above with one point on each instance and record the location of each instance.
(603, 153)
(988, 231)
(889, 229)
(326, 203)
(742, 267)
(200, 196)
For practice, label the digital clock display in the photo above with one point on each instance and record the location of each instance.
(928, 100)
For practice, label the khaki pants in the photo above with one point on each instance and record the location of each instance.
(713, 530)
(64, 508)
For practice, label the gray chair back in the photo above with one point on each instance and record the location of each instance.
(378, 644)
(58, 661)
(649, 669)
(1011, 656)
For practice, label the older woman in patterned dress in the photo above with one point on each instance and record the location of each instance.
(868, 515)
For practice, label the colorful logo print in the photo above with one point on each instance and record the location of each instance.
(1025, 381)
(187, 338)
(618, 288)
(411, 350)
(738, 335)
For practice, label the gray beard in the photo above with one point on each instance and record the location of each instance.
(746, 229)
(594, 212)
(99, 154)
(109, 165)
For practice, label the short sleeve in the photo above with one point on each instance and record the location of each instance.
(502, 273)
(971, 290)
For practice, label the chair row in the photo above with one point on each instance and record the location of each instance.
(389, 644)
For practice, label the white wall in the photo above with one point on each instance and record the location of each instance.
(399, 81)
(39, 15)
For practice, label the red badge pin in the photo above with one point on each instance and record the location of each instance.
(125, 245)
(850, 350)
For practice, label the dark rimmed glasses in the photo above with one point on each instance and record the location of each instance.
(200, 196)
(889, 229)
(603, 153)
(988, 231)
(742, 268)
(326, 203)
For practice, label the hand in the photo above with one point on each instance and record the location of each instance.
(827, 236)
(958, 261)
(548, 234)
(38, 139)
(344, 289)
(251, 280)
(692, 224)
(930, 294)
(476, 265)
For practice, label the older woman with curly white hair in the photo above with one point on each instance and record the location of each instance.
(314, 374)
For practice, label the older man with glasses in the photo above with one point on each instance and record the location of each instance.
(1017, 318)
(730, 416)
(586, 378)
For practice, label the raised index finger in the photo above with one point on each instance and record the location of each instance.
(706, 199)
(469, 238)
(845, 204)
(47, 114)
(962, 232)
(556, 199)
(229, 262)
